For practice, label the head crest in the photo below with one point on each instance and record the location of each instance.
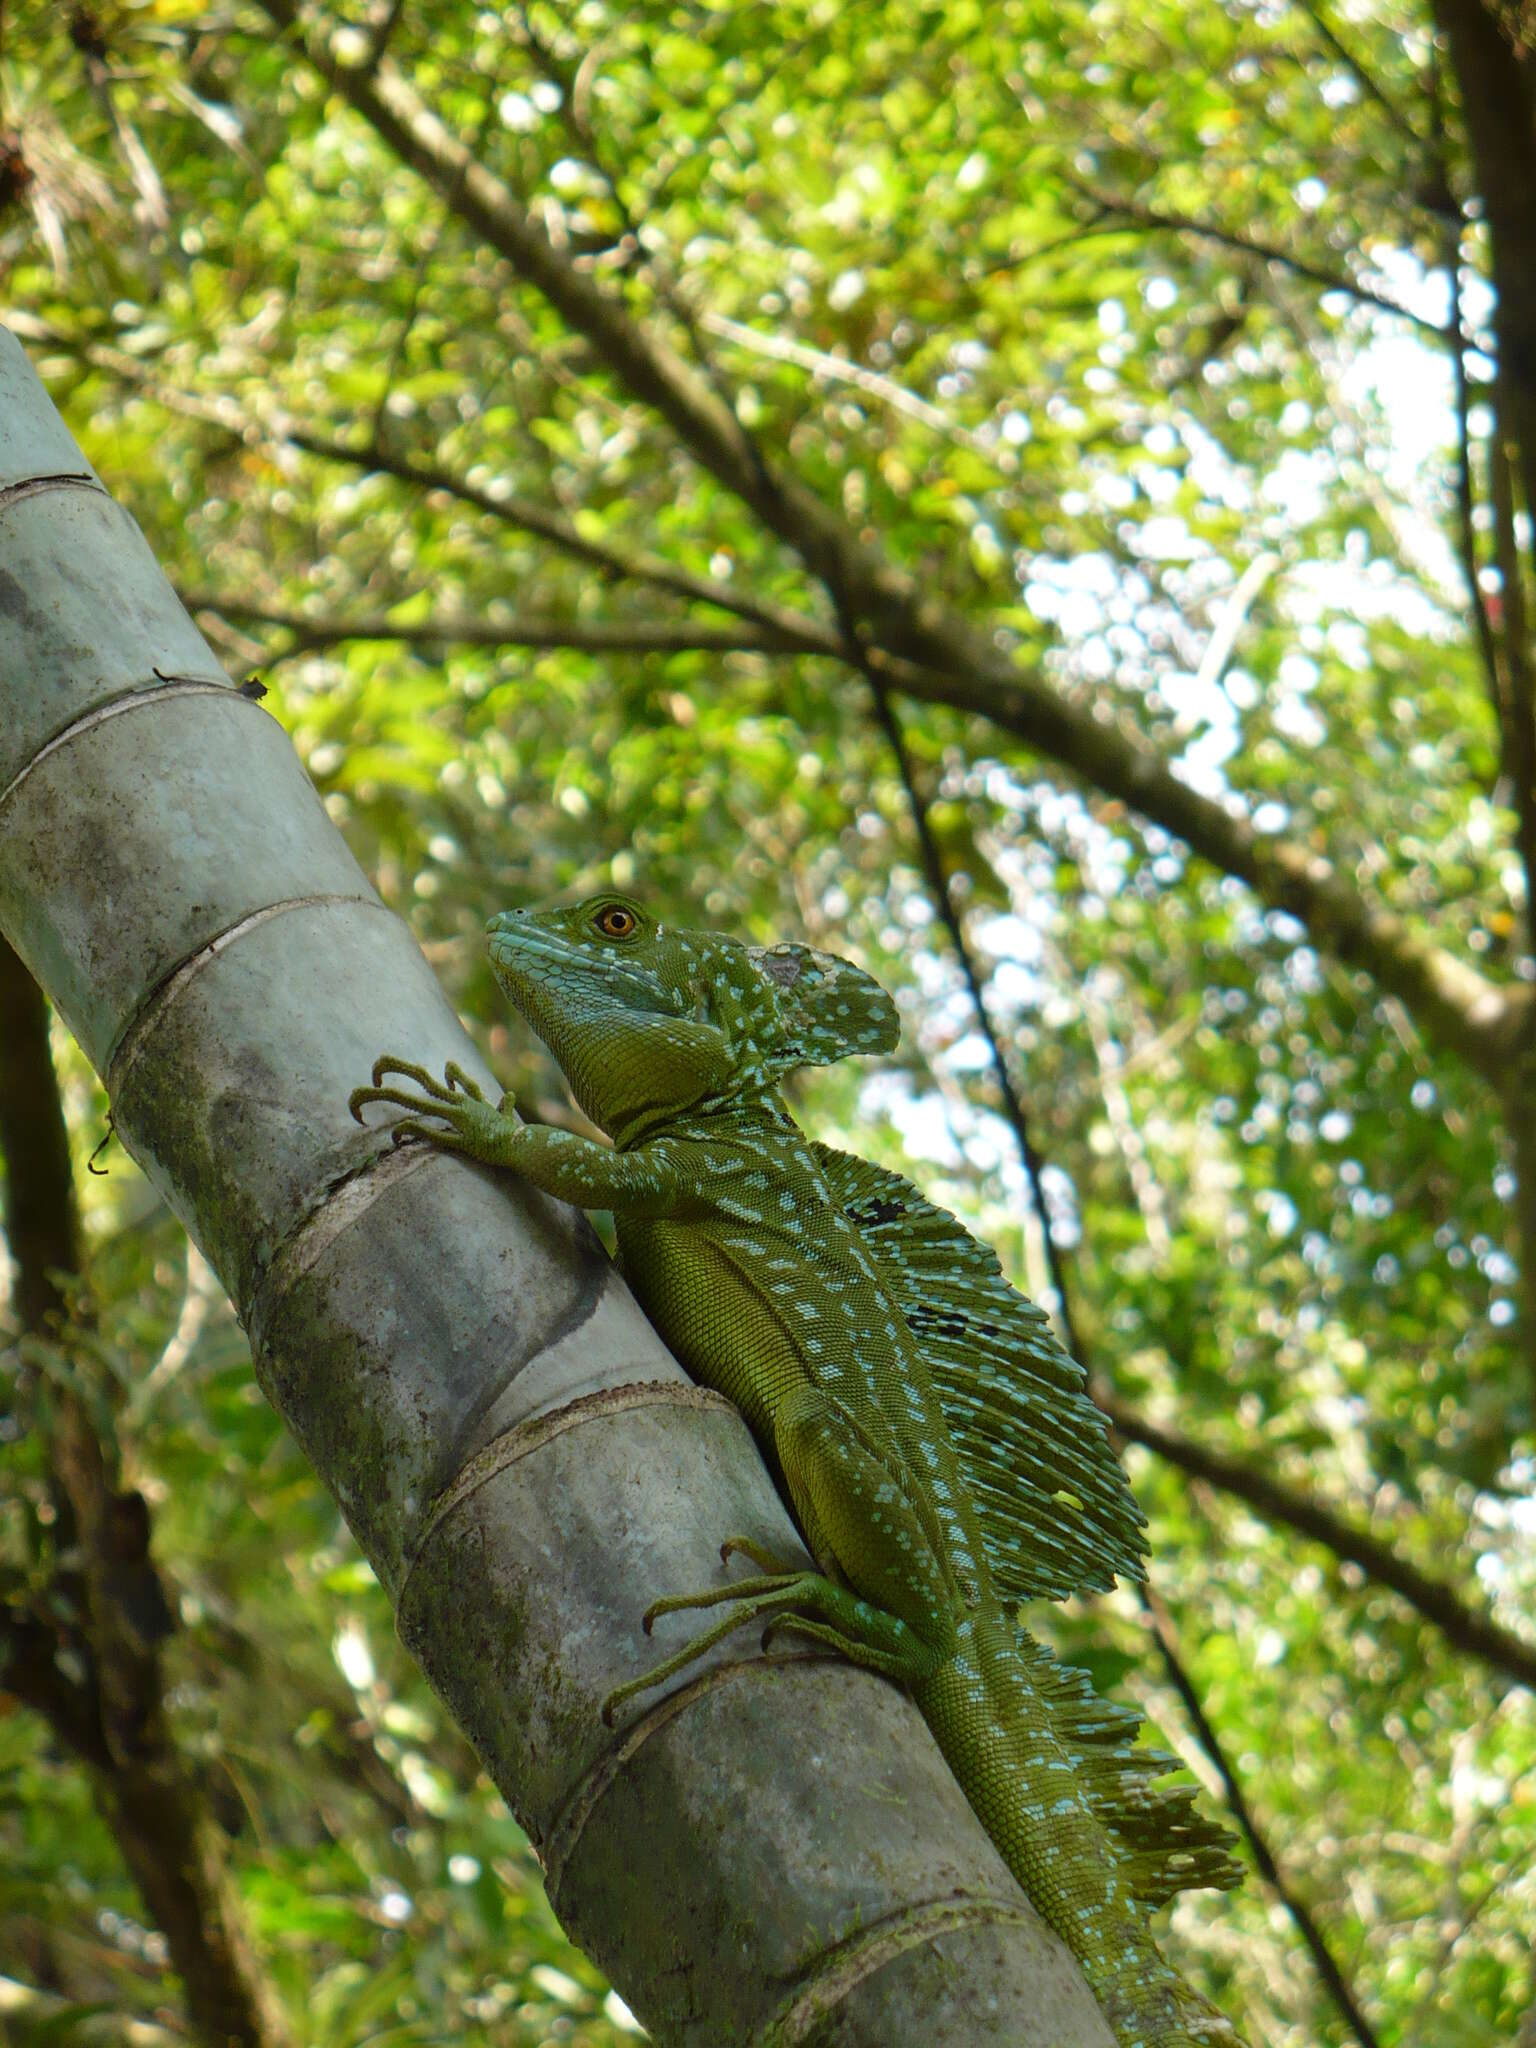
(824, 1008)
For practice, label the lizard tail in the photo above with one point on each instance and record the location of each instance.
(1046, 1766)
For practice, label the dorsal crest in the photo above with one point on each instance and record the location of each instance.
(820, 1008)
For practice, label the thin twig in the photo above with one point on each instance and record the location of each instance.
(943, 903)
(839, 370)
(1278, 1502)
(508, 507)
(1322, 1956)
(1223, 635)
(1367, 82)
(386, 20)
(1001, 266)
(1158, 219)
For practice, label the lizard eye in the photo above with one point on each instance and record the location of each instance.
(616, 922)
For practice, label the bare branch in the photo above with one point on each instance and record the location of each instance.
(507, 507)
(1145, 1184)
(1456, 1005)
(386, 17)
(1001, 266)
(944, 903)
(839, 370)
(1229, 623)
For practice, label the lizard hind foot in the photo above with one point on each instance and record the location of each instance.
(803, 1602)
(748, 1599)
(770, 1585)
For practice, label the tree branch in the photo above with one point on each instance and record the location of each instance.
(1467, 1013)
(1362, 75)
(1457, 1006)
(840, 370)
(1160, 220)
(1436, 1601)
(31, 1671)
(944, 903)
(591, 636)
(526, 515)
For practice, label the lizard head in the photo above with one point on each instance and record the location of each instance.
(648, 1020)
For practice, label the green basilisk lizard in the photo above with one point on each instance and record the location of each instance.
(934, 1441)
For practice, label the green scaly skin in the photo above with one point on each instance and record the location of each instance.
(935, 1444)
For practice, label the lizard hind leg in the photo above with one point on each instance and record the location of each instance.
(856, 1506)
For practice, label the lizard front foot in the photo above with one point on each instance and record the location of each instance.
(452, 1113)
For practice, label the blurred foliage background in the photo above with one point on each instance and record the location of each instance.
(1159, 346)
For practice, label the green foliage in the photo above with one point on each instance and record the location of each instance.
(1284, 1208)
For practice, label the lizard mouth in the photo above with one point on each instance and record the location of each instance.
(509, 943)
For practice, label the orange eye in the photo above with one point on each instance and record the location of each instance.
(616, 922)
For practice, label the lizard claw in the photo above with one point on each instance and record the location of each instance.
(457, 1096)
(410, 1070)
(764, 1559)
(456, 1078)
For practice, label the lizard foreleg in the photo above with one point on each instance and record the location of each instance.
(643, 1181)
